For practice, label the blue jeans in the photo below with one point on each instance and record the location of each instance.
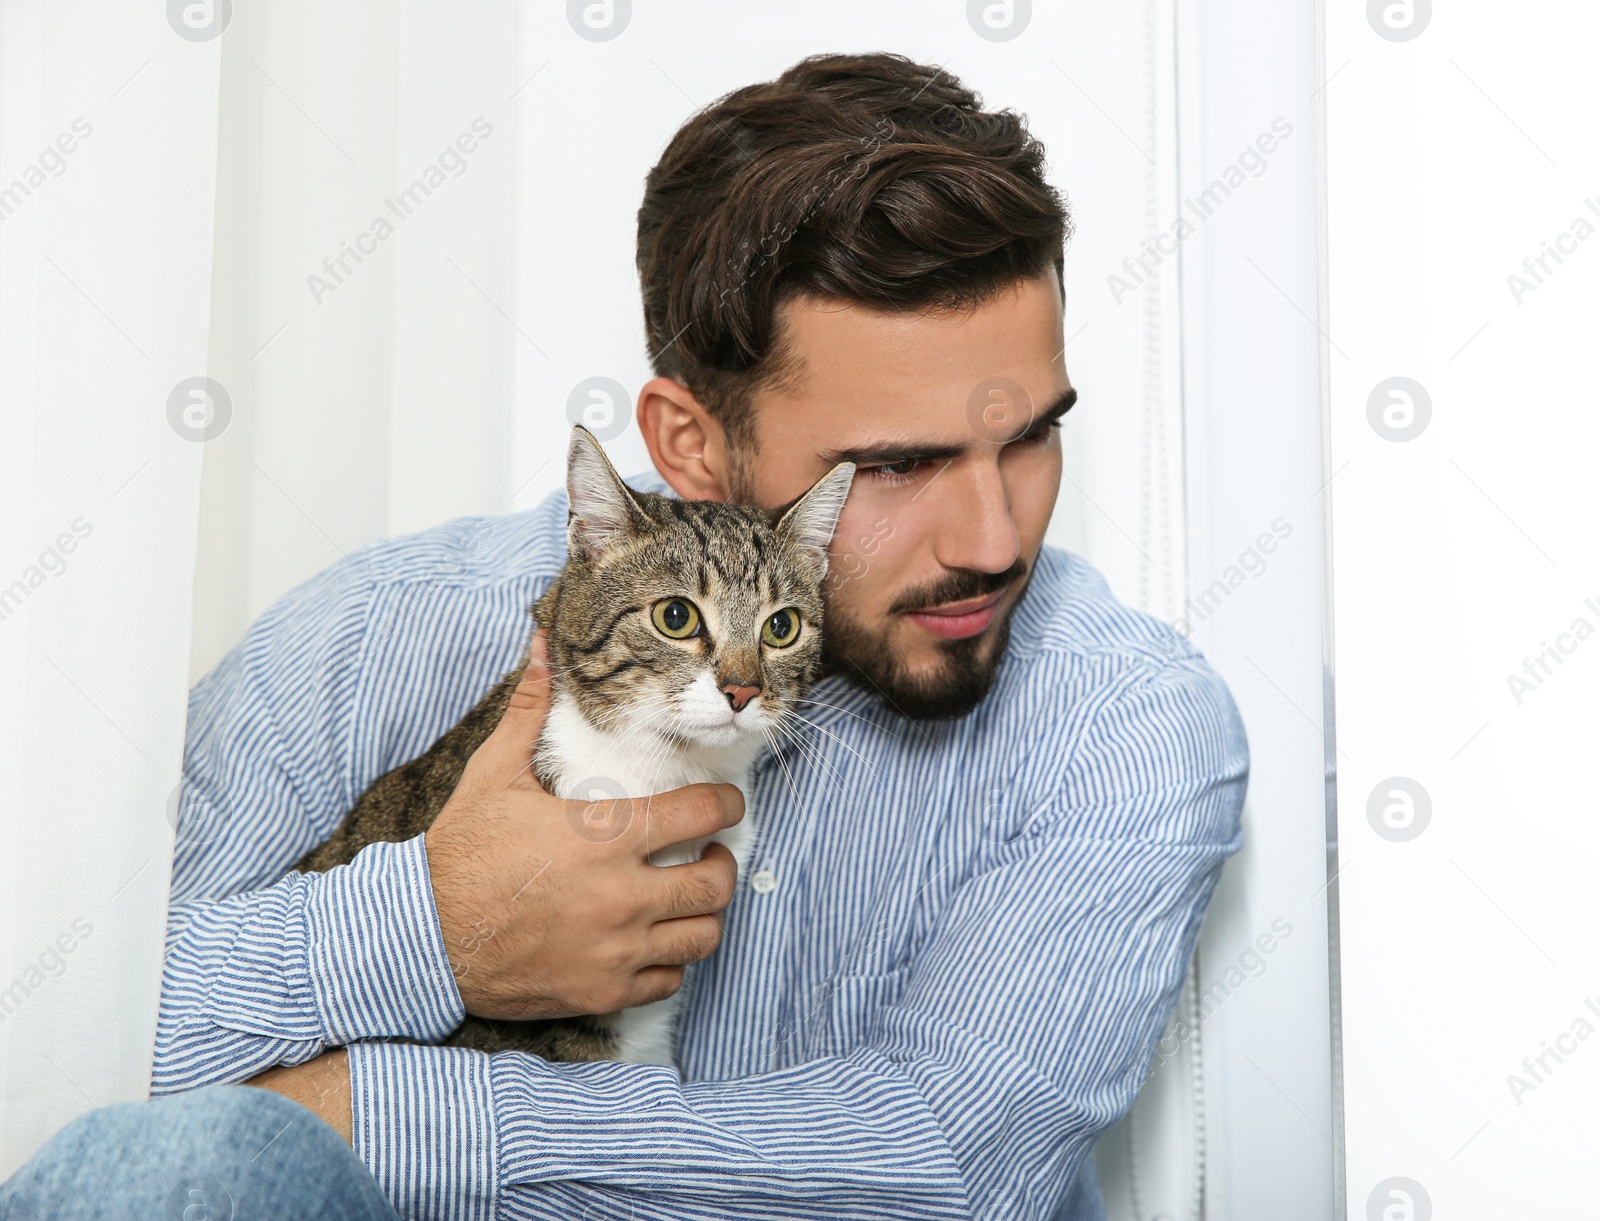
(227, 1153)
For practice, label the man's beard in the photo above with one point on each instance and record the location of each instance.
(951, 689)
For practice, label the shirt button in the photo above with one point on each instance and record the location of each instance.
(763, 881)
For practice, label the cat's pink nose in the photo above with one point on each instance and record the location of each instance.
(739, 696)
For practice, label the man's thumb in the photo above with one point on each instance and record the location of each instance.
(509, 749)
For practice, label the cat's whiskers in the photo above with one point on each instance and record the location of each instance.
(650, 748)
(617, 714)
(816, 703)
(836, 738)
(811, 752)
(771, 733)
(661, 751)
(661, 758)
(795, 725)
(629, 719)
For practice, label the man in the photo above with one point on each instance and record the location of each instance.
(976, 888)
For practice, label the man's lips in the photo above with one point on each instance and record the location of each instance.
(958, 620)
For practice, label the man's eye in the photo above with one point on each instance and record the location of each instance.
(1037, 433)
(903, 467)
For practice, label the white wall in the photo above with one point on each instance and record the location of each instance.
(1249, 80)
(1458, 554)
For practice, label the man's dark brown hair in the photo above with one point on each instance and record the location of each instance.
(868, 178)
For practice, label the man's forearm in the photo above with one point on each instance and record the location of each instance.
(458, 1133)
(278, 975)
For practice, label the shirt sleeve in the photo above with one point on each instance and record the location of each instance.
(1024, 1029)
(262, 968)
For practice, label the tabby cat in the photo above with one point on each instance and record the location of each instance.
(682, 635)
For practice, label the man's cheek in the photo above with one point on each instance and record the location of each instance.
(854, 586)
(866, 510)
(864, 537)
(861, 585)
(1033, 485)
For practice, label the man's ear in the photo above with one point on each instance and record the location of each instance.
(603, 510)
(686, 444)
(810, 522)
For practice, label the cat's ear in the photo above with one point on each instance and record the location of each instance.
(811, 520)
(604, 511)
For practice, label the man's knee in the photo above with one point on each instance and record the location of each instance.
(197, 1155)
(219, 1116)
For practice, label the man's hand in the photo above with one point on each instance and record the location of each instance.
(550, 908)
(322, 1086)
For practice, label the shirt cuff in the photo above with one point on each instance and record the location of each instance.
(423, 1121)
(376, 952)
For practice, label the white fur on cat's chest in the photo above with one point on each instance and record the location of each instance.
(638, 763)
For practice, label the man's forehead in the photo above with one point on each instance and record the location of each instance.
(828, 334)
(864, 377)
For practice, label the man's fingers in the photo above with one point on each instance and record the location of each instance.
(509, 749)
(692, 812)
(655, 984)
(676, 943)
(698, 888)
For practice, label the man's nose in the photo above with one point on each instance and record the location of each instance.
(979, 532)
(739, 694)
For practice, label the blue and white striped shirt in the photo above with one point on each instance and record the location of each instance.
(978, 929)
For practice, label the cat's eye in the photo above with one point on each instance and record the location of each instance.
(677, 618)
(781, 629)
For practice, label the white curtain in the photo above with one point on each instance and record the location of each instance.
(108, 126)
(366, 206)
(189, 203)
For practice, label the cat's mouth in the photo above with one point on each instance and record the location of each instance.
(720, 730)
(736, 725)
(705, 714)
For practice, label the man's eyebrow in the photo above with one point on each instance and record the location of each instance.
(1063, 403)
(888, 452)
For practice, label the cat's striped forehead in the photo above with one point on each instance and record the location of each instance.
(732, 561)
(729, 546)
